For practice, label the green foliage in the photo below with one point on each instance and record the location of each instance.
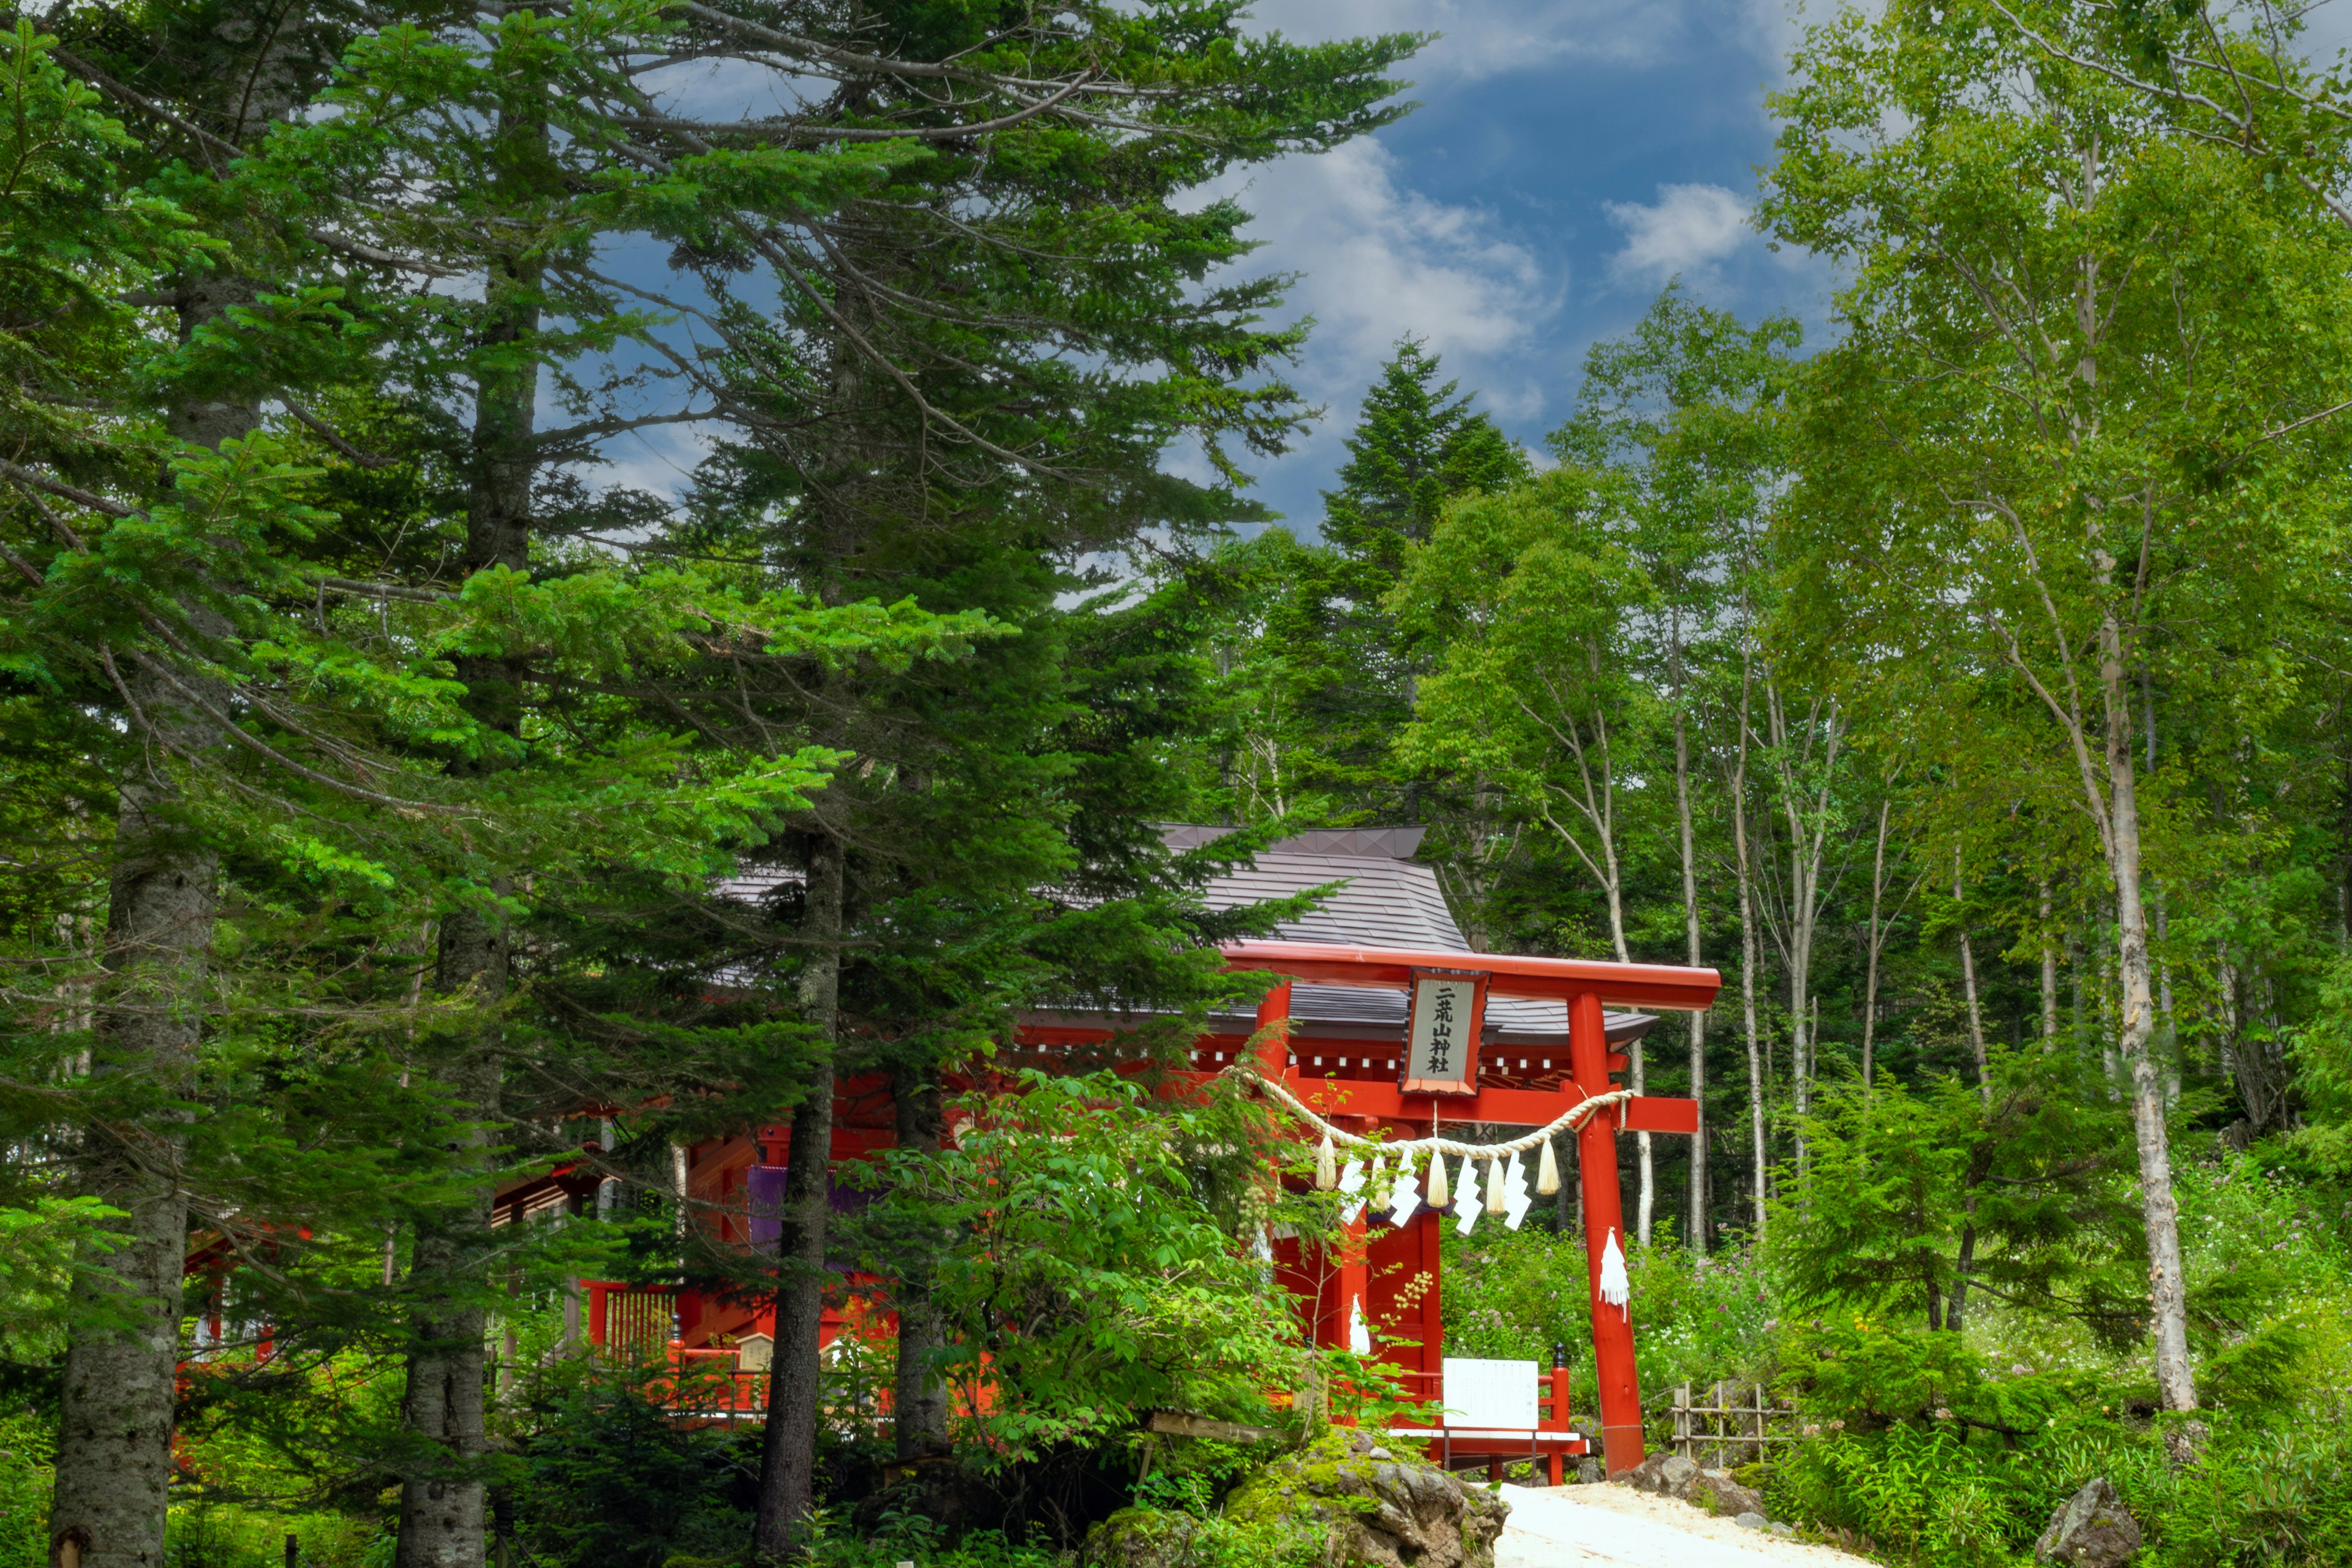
(2012, 1192)
(1415, 446)
(40, 1246)
(27, 1436)
(1515, 1295)
(1100, 1267)
(606, 1475)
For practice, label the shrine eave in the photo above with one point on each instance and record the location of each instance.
(1654, 986)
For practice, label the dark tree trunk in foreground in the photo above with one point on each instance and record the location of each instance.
(444, 1500)
(109, 1501)
(919, 1399)
(114, 1437)
(788, 1452)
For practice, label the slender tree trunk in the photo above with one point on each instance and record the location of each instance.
(1968, 987)
(919, 1397)
(2175, 1386)
(2048, 975)
(787, 1499)
(1875, 945)
(444, 1502)
(1762, 1160)
(1698, 1209)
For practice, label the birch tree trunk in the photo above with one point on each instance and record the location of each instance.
(2048, 975)
(2176, 1385)
(1875, 944)
(1747, 953)
(1968, 988)
(1698, 1215)
(1596, 803)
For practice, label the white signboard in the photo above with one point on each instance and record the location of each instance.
(1490, 1393)
(1441, 1048)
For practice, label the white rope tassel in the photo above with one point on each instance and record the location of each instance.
(1616, 1290)
(1327, 1165)
(1438, 1197)
(1359, 1334)
(1548, 1172)
(1495, 1201)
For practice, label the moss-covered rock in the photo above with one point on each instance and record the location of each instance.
(1149, 1538)
(1142, 1538)
(1374, 1505)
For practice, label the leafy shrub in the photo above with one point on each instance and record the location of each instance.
(1516, 1294)
(24, 1477)
(607, 1479)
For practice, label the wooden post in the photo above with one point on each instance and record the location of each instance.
(1604, 1215)
(1559, 1412)
(1683, 1421)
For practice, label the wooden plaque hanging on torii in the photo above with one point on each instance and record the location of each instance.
(1441, 1027)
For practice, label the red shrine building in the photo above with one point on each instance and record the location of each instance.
(1390, 1026)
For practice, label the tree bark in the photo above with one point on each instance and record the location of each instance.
(787, 1499)
(115, 1407)
(1968, 987)
(443, 1504)
(1875, 945)
(919, 1397)
(2048, 975)
(109, 1501)
(2176, 1385)
(1698, 1210)
(1748, 954)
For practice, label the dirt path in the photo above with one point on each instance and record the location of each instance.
(1570, 1526)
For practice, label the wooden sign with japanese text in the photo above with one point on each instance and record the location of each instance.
(1440, 1042)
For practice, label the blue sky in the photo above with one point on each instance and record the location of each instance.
(1567, 157)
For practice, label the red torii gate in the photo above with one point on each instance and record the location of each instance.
(1583, 986)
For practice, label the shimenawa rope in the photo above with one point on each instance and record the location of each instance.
(1576, 1116)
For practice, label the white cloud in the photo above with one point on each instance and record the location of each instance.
(1378, 260)
(1687, 230)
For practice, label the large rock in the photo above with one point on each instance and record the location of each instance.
(1672, 1475)
(1662, 1473)
(1142, 1538)
(1375, 1506)
(2090, 1530)
(1716, 1492)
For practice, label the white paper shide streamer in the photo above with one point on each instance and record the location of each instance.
(1351, 1182)
(1515, 1202)
(1468, 1203)
(1616, 1288)
(1404, 1197)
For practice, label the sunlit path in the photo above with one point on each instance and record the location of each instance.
(1607, 1524)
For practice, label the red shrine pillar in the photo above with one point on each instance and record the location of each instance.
(1596, 1161)
(1273, 1007)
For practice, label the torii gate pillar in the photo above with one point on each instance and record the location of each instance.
(1596, 1165)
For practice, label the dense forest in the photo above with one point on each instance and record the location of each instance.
(394, 807)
